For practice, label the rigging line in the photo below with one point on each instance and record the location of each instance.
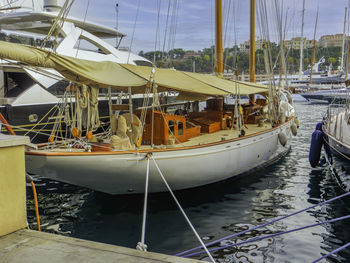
(264, 27)
(226, 38)
(171, 44)
(170, 39)
(56, 107)
(235, 30)
(55, 23)
(174, 24)
(166, 29)
(285, 54)
(24, 129)
(39, 122)
(157, 32)
(213, 58)
(271, 235)
(176, 21)
(182, 211)
(86, 11)
(133, 32)
(227, 12)
(266, 223)
(231, 22)
(61, 23)
(11, 3)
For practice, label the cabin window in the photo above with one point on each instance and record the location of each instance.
(16, 83)
(58, 88)
(171, 127)
(180, 128)
(143, 63)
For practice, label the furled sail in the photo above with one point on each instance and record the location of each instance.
(79, 70)
(122, 76)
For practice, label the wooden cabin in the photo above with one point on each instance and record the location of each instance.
(168, 130)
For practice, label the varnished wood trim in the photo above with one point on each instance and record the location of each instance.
(119, 107)
(153, 150)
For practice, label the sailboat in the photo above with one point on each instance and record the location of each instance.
(336, 89)
(192, 148)
(333, 134)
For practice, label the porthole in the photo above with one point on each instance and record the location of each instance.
(33, 118)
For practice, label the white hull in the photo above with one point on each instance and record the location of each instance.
(119, 173)
(338, 147)
(337, 130)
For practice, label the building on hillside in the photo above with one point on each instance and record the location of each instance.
(294, 43)
(190, 54)
(332, 40)
(244, 47)
(259, 45)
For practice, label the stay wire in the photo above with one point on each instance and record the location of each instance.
(86, 11)
(166, 29)
(133, 31)
(157, 32)
(265, 224)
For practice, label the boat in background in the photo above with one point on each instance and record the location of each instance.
(320, 79)
(327, 96)
(28, 93)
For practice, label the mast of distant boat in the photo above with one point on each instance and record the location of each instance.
(116, 22)
(302, 43)
(343, 46)
(313, 49)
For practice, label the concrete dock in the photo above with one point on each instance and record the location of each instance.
(24, 246)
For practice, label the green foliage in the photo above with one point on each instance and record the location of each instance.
(234, 59)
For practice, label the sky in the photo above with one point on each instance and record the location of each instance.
(195, 20)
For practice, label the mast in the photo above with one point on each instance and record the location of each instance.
(219, 53)
(252, 48)
(343, 46)
(302, 43)
(252, 42)
(313, 49)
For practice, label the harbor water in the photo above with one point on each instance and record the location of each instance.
(215, 211)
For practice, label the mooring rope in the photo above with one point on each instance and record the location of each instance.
(141, 245)
(264, 224)
(331, 253)
(182, 211)
(270, 236)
